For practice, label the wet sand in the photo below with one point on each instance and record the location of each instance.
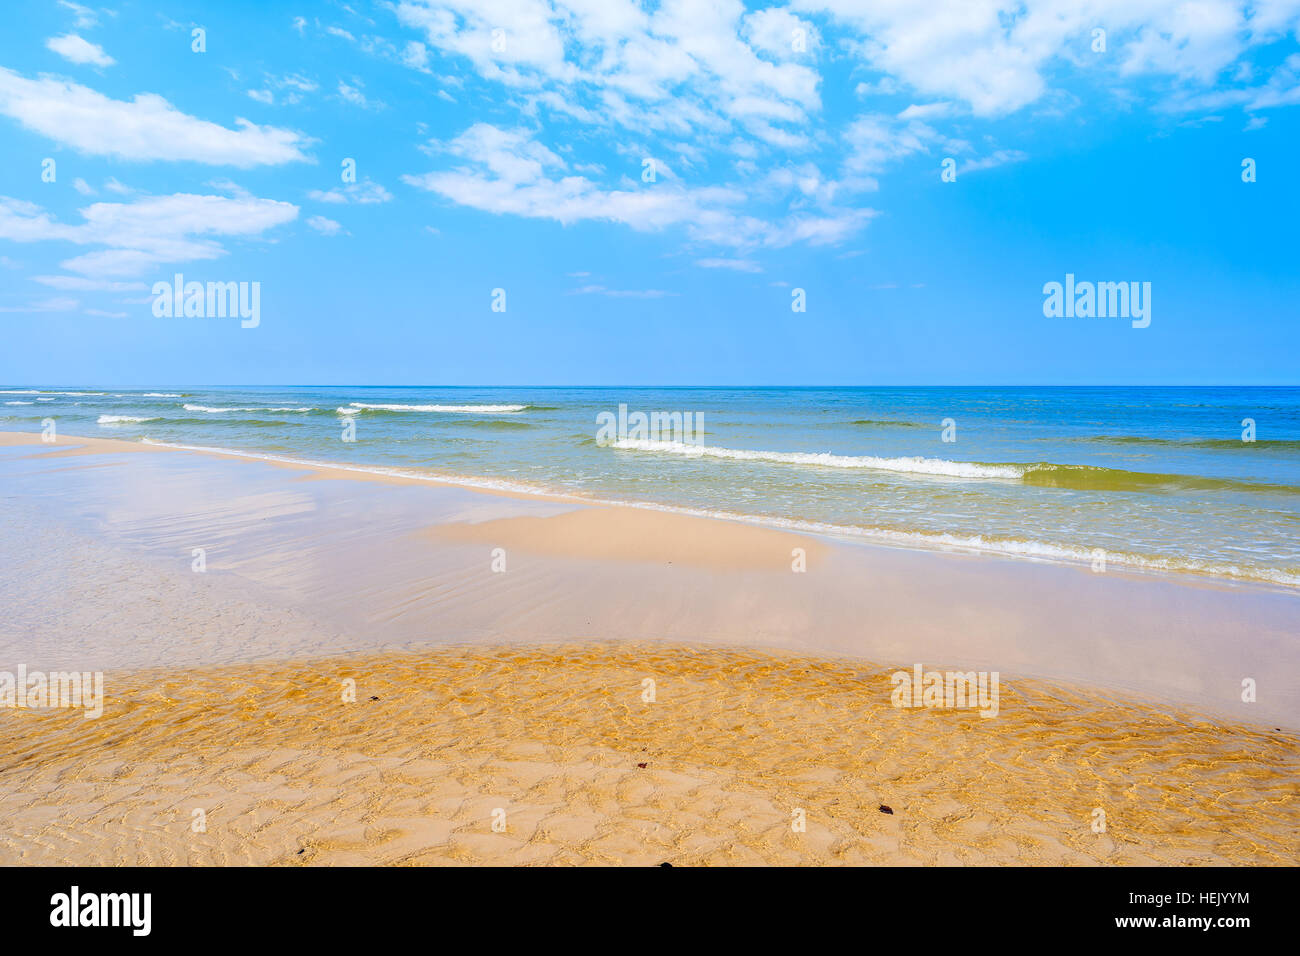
(521, 689)
(587, 771)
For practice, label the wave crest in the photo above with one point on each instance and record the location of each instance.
(243, 408)
(353, 408)
(122, 419)
(916, 465)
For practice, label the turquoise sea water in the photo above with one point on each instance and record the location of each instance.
(1156, 477)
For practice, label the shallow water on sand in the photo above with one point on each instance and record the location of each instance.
(303, 562)
(586, 771)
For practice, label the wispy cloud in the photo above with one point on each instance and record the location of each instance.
(145, 128)
(738, 265)
(73, 48)
(148, 232)
(351, 93)
(52, 304)
(621, 293)
(364, 193)
(999, 157)
(326, 227)
(508, 171)
(82, 284)
(86, 17)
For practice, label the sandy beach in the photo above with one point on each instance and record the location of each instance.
(560, 739)
(369, 669)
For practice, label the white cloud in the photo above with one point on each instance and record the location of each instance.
(526, 38)
(291, 88)
(621, 293)
(885, 86)
(52, 304)
(83, 187)
(74, 48)
(701, 81)
(353, 95)
(143, 234)
(82, 284)
(737, 265)
(995, 55)
(804, 179)
(1281, 89)
(145, 128)
(416, 56)
(507, 171)
(776, 31)
(928, 111)
(364, 193)
(224, 185)
(876, 141)
(86, 17)
(693, 64)
(682, 67)
(326, 227)
(997, 158)
(298, 82)
(957, 48)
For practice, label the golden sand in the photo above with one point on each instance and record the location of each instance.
(587, 772)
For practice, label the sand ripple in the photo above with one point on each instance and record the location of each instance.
(557, 737)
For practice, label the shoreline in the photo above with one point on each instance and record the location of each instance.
(925, 542)
(342, 565)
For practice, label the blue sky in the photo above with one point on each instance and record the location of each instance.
(503, 144)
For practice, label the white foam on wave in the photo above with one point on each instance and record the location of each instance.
(913, 466)
(161, 395)
(122, 419)
(242, 408)
(20, 403)
(353, 407)
(922, 540)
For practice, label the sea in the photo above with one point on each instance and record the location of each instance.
(1190, 480)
